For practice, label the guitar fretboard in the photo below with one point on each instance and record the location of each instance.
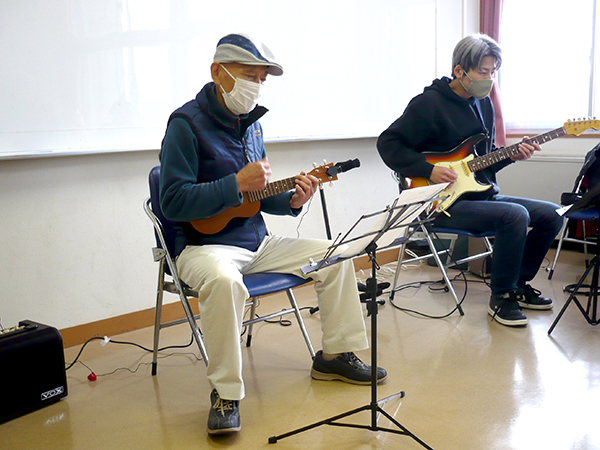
(274, 188)
(485, 161)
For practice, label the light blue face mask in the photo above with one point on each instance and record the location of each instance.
(478, 88)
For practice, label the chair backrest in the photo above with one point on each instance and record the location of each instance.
(403, 183)
(590, 170)
(168, 227)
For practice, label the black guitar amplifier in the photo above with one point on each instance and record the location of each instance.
(32, 368)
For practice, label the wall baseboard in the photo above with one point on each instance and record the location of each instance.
(171, 311)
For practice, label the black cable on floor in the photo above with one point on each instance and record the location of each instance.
(124, 343)
(418, 284)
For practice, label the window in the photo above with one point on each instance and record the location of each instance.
(548, 60)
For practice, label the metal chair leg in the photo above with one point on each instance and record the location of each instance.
(253, 301)
(300, 320)
(158, 314)
(398, 269)
(442, 268)
(562, 234)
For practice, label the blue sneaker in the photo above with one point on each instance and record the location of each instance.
(346, 367)
(224, 415)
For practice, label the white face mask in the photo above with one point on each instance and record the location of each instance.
(243, 97)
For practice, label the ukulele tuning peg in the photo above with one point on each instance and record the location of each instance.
(314, 164)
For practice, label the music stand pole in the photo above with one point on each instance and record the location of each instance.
(324, 208)
(328, 232)
(374, 405)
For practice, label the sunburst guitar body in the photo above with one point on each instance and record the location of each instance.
(458, 160)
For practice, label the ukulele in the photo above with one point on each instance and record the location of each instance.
(251, 203)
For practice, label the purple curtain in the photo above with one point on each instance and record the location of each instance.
(490, 17)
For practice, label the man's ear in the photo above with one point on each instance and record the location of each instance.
(458, 71)
(215, 72)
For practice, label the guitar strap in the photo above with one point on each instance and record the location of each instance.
(477, 110)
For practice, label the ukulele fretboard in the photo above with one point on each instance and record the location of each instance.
(274, 188)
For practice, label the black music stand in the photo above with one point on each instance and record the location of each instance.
(401, 214)
(586, 208)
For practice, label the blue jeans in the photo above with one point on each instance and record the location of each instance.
(518, 254)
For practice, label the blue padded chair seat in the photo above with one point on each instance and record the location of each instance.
(260, 284)
(474, 234)
(586, 214)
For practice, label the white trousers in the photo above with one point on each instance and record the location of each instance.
(216, 271)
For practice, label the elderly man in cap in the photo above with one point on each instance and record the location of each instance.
(211, 154)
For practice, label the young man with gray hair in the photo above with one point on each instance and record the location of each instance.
(211, 154)
(440, 120)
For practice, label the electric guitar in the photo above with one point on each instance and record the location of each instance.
(251, 203)
(462, 160)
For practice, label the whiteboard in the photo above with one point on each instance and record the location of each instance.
(83, 76)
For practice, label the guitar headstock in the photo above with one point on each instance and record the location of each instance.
(576, 127)
(320, 173)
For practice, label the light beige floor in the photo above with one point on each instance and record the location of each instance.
(469, 383)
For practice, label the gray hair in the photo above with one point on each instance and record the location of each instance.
(470, 51)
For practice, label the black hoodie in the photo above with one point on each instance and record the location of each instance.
(438, 120)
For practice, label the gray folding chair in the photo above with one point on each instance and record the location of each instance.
(258, 285)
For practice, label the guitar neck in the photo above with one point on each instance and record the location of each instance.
(274, 188)
(485, 161)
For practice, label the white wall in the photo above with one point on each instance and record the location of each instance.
(75, 242)
(548, 173)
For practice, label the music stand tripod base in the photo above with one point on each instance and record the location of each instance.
(375, 405)
(402, 213)
(590, 313)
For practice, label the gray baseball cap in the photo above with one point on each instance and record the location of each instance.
(242, 49)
